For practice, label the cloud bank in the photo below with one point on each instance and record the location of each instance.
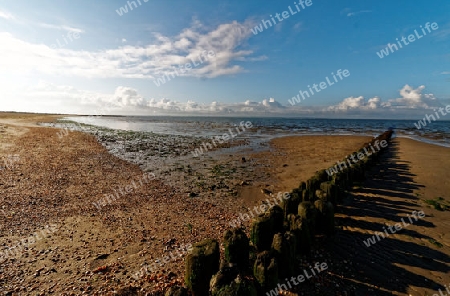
(411, 103)
(161, 57)
(410, 99)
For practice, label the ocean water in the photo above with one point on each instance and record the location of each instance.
(436, 132)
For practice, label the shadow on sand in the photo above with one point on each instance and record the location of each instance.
(386, 194)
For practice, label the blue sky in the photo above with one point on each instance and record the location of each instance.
(104, 57)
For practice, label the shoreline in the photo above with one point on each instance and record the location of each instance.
(399, 132)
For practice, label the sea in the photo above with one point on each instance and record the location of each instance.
(264, 128)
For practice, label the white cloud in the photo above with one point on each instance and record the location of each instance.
(48, 97)
(51, 98)
(278, 27)
(411, 96)
(413, 99)
(356, 103)
(298, 26)
(410, 99)
(358, 12)
(6, 15)
(351, 103)
(252, 59)
(443, 33)
(126, 96)
(373, 103)
(150, 61)
(126, 100)
(250, 103)
(271, 103)
(61, 28)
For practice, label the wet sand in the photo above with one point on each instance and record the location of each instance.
(57, 180)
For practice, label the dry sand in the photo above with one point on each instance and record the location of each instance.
(56, 182)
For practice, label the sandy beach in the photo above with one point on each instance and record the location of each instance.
(51, 180)
(414, 261)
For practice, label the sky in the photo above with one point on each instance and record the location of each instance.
(334, 59)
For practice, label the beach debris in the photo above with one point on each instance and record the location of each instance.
(103, 268)
(266, 192)
(170, 241)
(192, 194)
(102, 256)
